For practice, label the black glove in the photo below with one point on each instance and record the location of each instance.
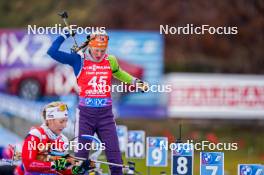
(143, 86)
(88, 164)
(84, 167)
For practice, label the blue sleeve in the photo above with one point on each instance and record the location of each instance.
(72, 59)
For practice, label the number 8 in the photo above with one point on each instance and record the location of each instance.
(182, 165)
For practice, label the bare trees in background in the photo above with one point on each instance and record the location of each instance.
(242, 53)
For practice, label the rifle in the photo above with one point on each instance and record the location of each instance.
(72, 160)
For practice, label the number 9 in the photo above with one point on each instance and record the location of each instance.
(157, 156)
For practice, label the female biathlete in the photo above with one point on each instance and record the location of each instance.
(94, 69)
(41, 140)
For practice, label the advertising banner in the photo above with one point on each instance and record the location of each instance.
(216, 95)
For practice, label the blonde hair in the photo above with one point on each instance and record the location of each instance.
(50, 105)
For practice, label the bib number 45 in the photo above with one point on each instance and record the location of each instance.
(98, 82)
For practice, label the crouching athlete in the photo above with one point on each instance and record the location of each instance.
(41, 140)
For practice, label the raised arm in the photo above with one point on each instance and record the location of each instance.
(72, 59)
